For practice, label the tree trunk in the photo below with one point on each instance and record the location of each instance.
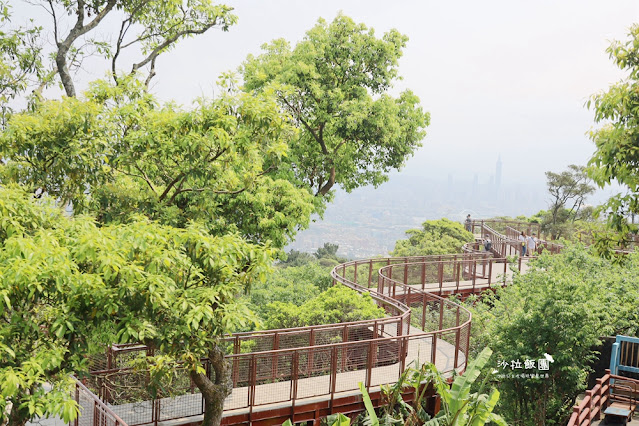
(18, 417)
(328, 185)
(214, 391)
(63, 70)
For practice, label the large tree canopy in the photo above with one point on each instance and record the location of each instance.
(617, 155)
(172, 289)
(335, 84)
(441, 236)
(119, 152)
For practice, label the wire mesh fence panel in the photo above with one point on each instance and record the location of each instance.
(135, 413)
(180, 406)
(352, 363)
(86, 409)
(387, 366)
(239, 398)
(92, 411)
(308, 384)
(328, 336)
(274, 378)
(296, 339)
(257, 343)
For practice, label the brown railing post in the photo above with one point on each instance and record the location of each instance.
(423, 276)
(311, 354)
(474, 272)
(333, 372)
(403, 347)
(344, 348)
(236, 361)
(77, 400)
(370, 272)
(600, 394)
(294, 377)
(276, 346)
(251, 384)
(369, 365)
(423, 316)
(490, 272)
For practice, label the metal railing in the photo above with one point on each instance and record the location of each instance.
(609, 388)
(273, 368)
(92, 411)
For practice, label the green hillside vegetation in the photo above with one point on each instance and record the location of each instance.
(561, 307)
(440, 236)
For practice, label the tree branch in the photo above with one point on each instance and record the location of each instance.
(78, 30)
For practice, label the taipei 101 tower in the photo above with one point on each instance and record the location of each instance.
(498, 174)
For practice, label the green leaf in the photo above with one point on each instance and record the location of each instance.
(370, 410)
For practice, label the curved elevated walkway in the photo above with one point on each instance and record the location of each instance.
(308, 372)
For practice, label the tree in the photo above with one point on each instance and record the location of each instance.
(293, 284)
(334, 84)
(328, 250)
(336, 305)
(441, 236)
(616, 157)
(146, 28)
(20, 58)
(131, 156)
(175, 290)
(568, 190)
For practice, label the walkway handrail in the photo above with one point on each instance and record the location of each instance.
(92, 407)
(418, 318)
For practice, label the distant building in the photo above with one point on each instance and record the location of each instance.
(498, 173)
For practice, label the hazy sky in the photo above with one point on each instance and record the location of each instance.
(498, 77)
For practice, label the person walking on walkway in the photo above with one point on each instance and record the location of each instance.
(522, 243)
(469, 222)
(487, 243)
(531, 245)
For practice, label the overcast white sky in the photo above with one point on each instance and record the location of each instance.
(498, 77)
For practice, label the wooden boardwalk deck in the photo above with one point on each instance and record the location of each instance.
(309, 390)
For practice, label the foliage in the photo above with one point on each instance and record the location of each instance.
(441, 236)
(329, 251)
(334, 84)
(616, 157)
(20, 58)
(336, 305)
(394, 410)
(297, 258)
(147, 29)
(132, 156)
(460, 407)
(172, 289)
(294, 285)
(559, 307)
(61, 149)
